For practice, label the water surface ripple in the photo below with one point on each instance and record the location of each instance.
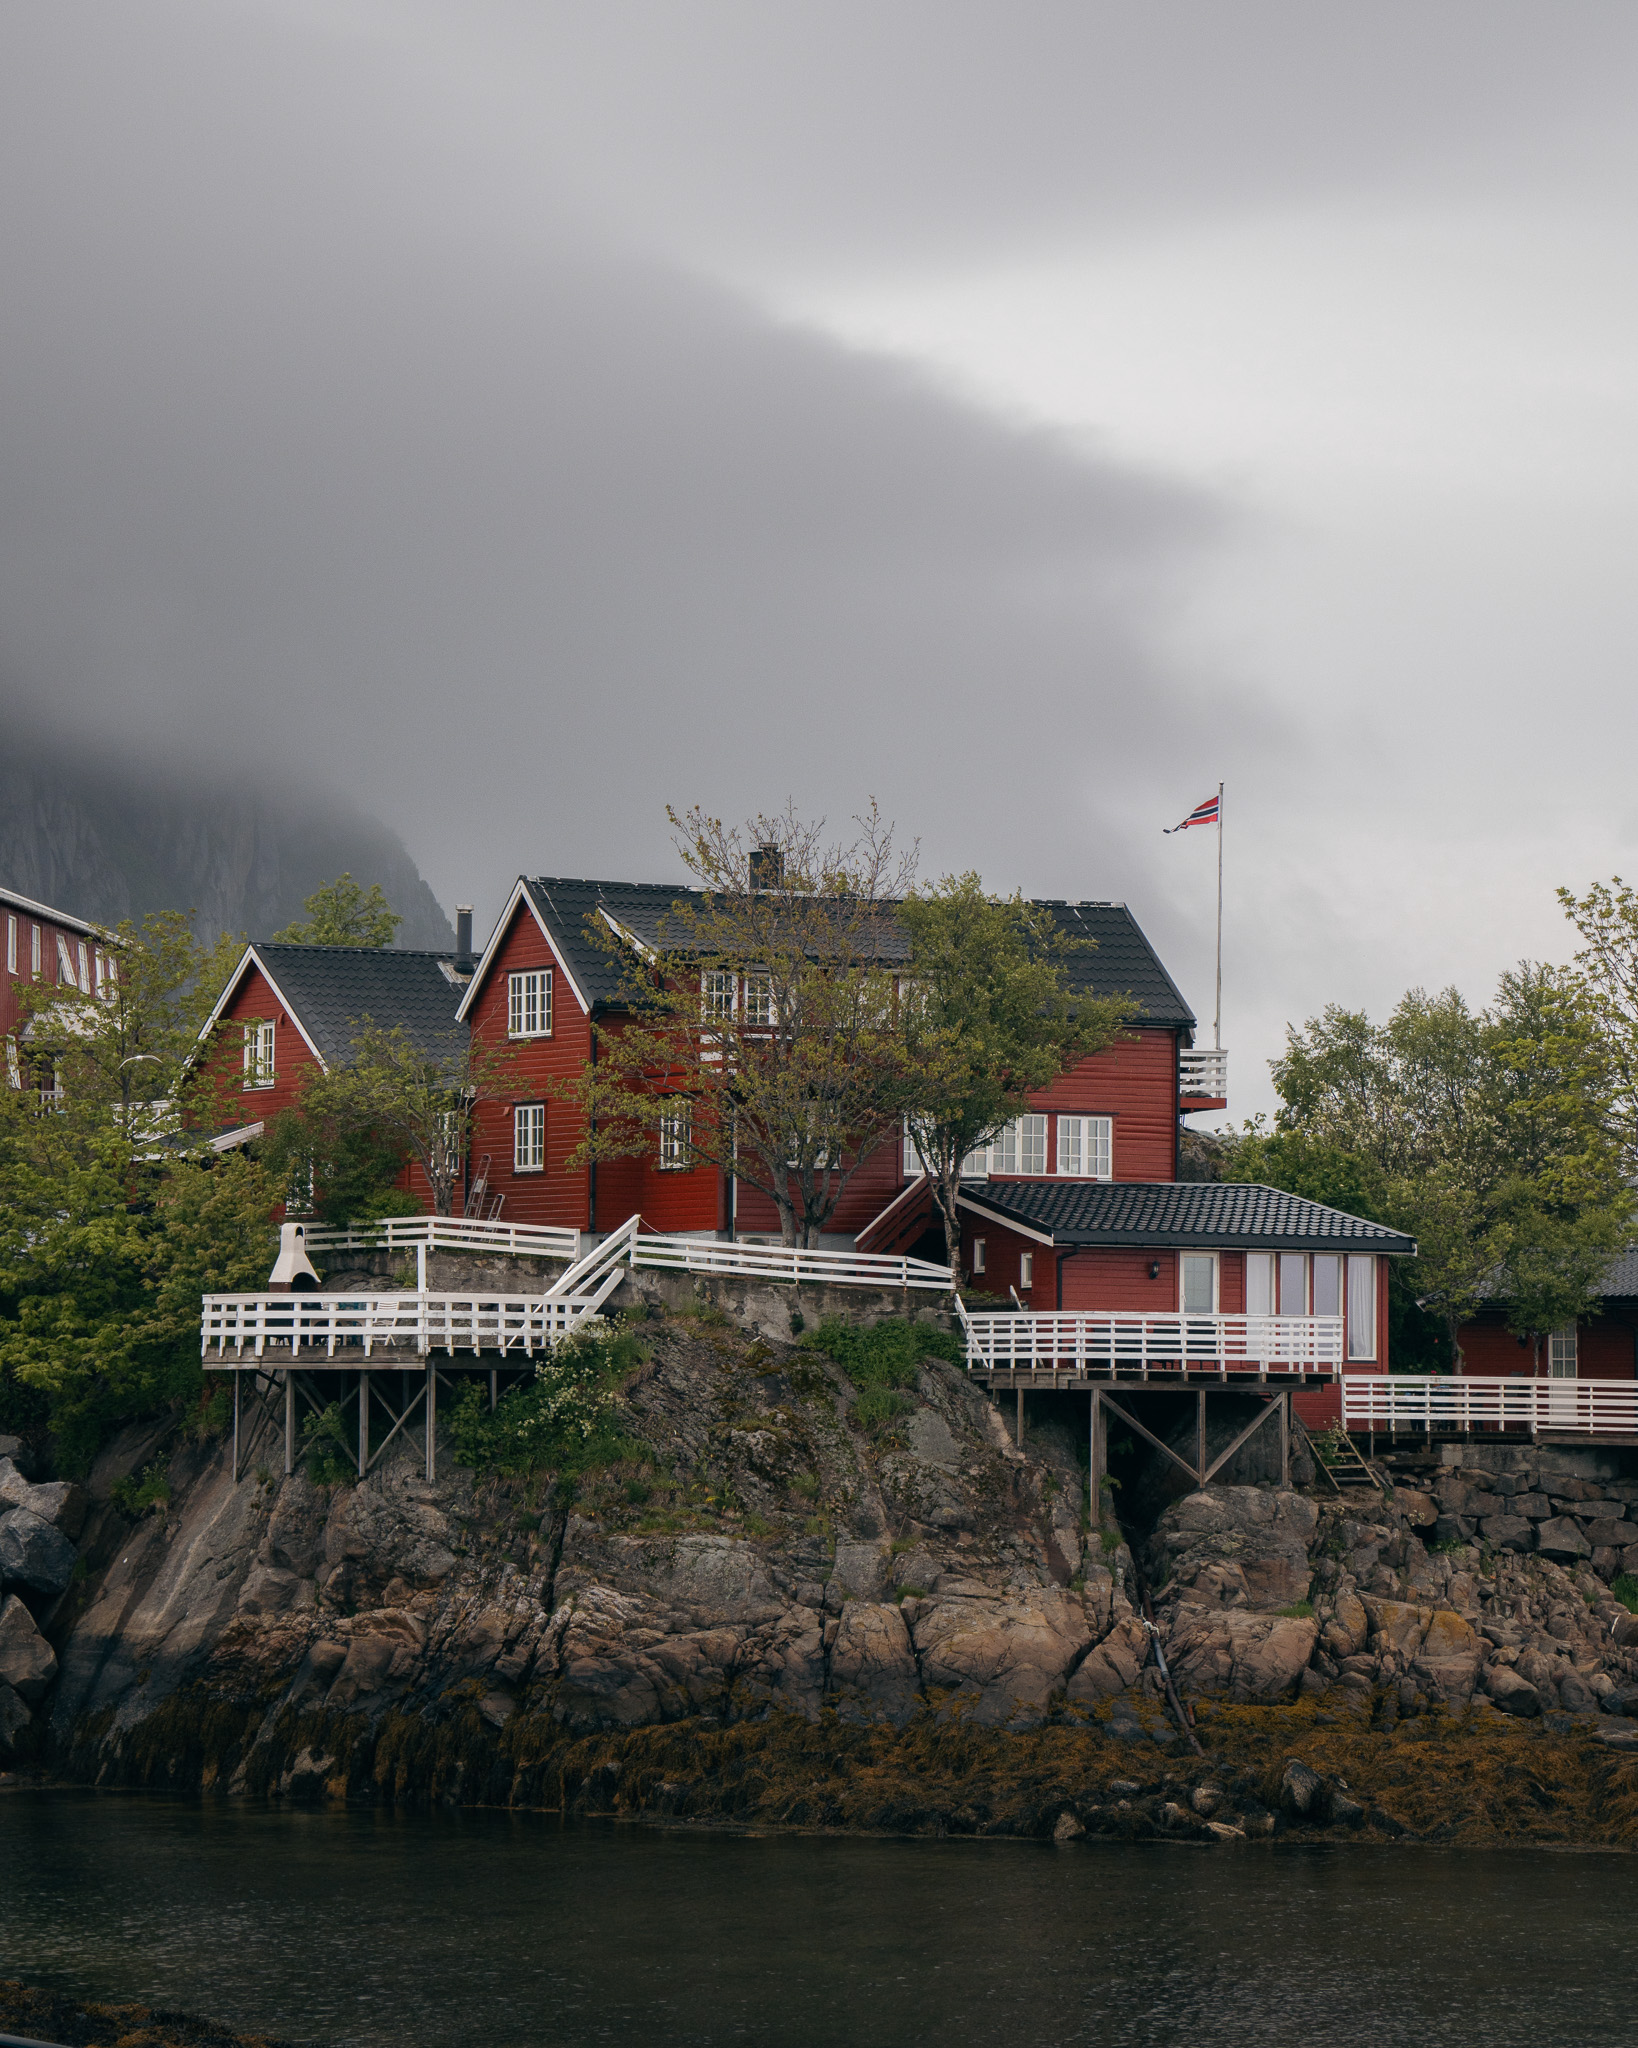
(445, 1930)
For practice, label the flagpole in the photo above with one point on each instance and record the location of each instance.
(1217, 1020)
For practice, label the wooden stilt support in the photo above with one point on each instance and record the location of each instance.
(1019, 1438)
(1200, 1433)
(494, 1389)
(1285, 1437)
(363, 1424)
(1097, 1462)
(236, 1379)
(431, 1411)
(289, 1421)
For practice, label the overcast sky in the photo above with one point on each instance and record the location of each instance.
(517, 417)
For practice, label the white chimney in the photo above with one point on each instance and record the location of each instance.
(292, 1270)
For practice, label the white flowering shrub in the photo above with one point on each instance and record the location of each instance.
(566, 1419)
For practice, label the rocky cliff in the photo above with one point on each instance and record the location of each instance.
(772, 1608)
(107, 842)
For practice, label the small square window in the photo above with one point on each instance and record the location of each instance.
(1084, 1147)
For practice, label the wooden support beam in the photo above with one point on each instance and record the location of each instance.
(236, 1378)
(1019, 1438)
(1181, 1463)
(431, 1416)
(1285, 1438)
(1269, 1408)
(289, 1420)
(363, 1424)
(1200, 1430)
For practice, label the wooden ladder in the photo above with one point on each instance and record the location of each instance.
(1346, 1463)
(479, 1188)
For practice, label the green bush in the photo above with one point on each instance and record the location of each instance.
(884, 1354)
(566, 1419)
(878, 1405)
(135, 1494)
(1625, 1590)
(1299, 1610)
(329, 1449)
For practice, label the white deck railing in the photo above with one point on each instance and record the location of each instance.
(1202, 1070)
(782, 1262)
(445, 1233)
(363, 1326)
(1099, 1340)
(1392, 1402)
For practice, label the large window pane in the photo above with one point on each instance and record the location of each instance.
(1199, 1284)
(1327, 1284)
(1362, 1308)
(1293, 1283)
(1561, 1355)
(1259, 1283)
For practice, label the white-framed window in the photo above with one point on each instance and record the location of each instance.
(11, 944)
(1026, 1270)
(1199, 1283)
(529, 1137)
(36, 964)
(1293, 1283)
(529, 1003)
(910, 1159)
(1259, 1283)
(1020, 1147)
(1327, 1284)
(978, 1255)
(66, 977)
(85, 969)
(759, 1003)
(976, 1165)
(717, 993)
(259, 1064)
(1086, 1147)
(14, 1065)
(676, 1141)
(1562, 1359)
(1362, 1306)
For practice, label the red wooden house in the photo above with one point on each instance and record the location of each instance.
(1597, 1347)
(1076, 1205)
(289, 1012)
(49, 946)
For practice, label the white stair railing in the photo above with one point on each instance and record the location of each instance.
(446, 1233)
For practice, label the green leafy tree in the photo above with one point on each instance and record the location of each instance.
(761, 1035)
(344, 913)
(989, 1017)
(1605, 972)
(396, 1099)
(111, 1224)
(1485, 1135)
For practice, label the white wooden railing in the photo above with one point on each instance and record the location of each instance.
(1100, 1340)
(445, 1233)
(781, 1262)
(632, 1246)
(1392, 1402)
(365, 1325)
(1202, 1070)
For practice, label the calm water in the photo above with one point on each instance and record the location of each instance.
(479, 1928)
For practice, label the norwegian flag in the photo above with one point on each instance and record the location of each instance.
(1208, 813)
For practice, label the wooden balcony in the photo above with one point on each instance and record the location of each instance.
(1405, 1404)
(1069, 1345)
(1202, 1078)
(388, 1331)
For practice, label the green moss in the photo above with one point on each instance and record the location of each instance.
(1625, 1590)
(1299, 1610)
(884, 1354)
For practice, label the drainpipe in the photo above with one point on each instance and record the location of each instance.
(591, 1164)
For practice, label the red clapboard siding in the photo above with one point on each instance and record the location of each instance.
(874, 1184)
(1118, 1278)
(51, 974)
(1604, 1351)
(294, 1062)
(1135, 1082)
(561, 1194)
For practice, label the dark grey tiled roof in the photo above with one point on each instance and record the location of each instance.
(1206, 1213)
(1622, 1277)
(1124, 962)
(333, 988)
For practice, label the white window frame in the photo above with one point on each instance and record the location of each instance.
(36, 951)
(85, 969)
(1025, 1136)
(719, 996)
(528, 1137)
(1213, 1261)
(978, 1255)
(1026, 1270)
(676, 1141)
(1564, 1353)
(1285, 1313)
(1086, 1147)
(1260, 1264)
(757, 1003)
(1359, 1306)
(14, 1065)
(261, 1054)
(11, 944)
(66, 977)
(529, 1003)
(1341, 1266)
